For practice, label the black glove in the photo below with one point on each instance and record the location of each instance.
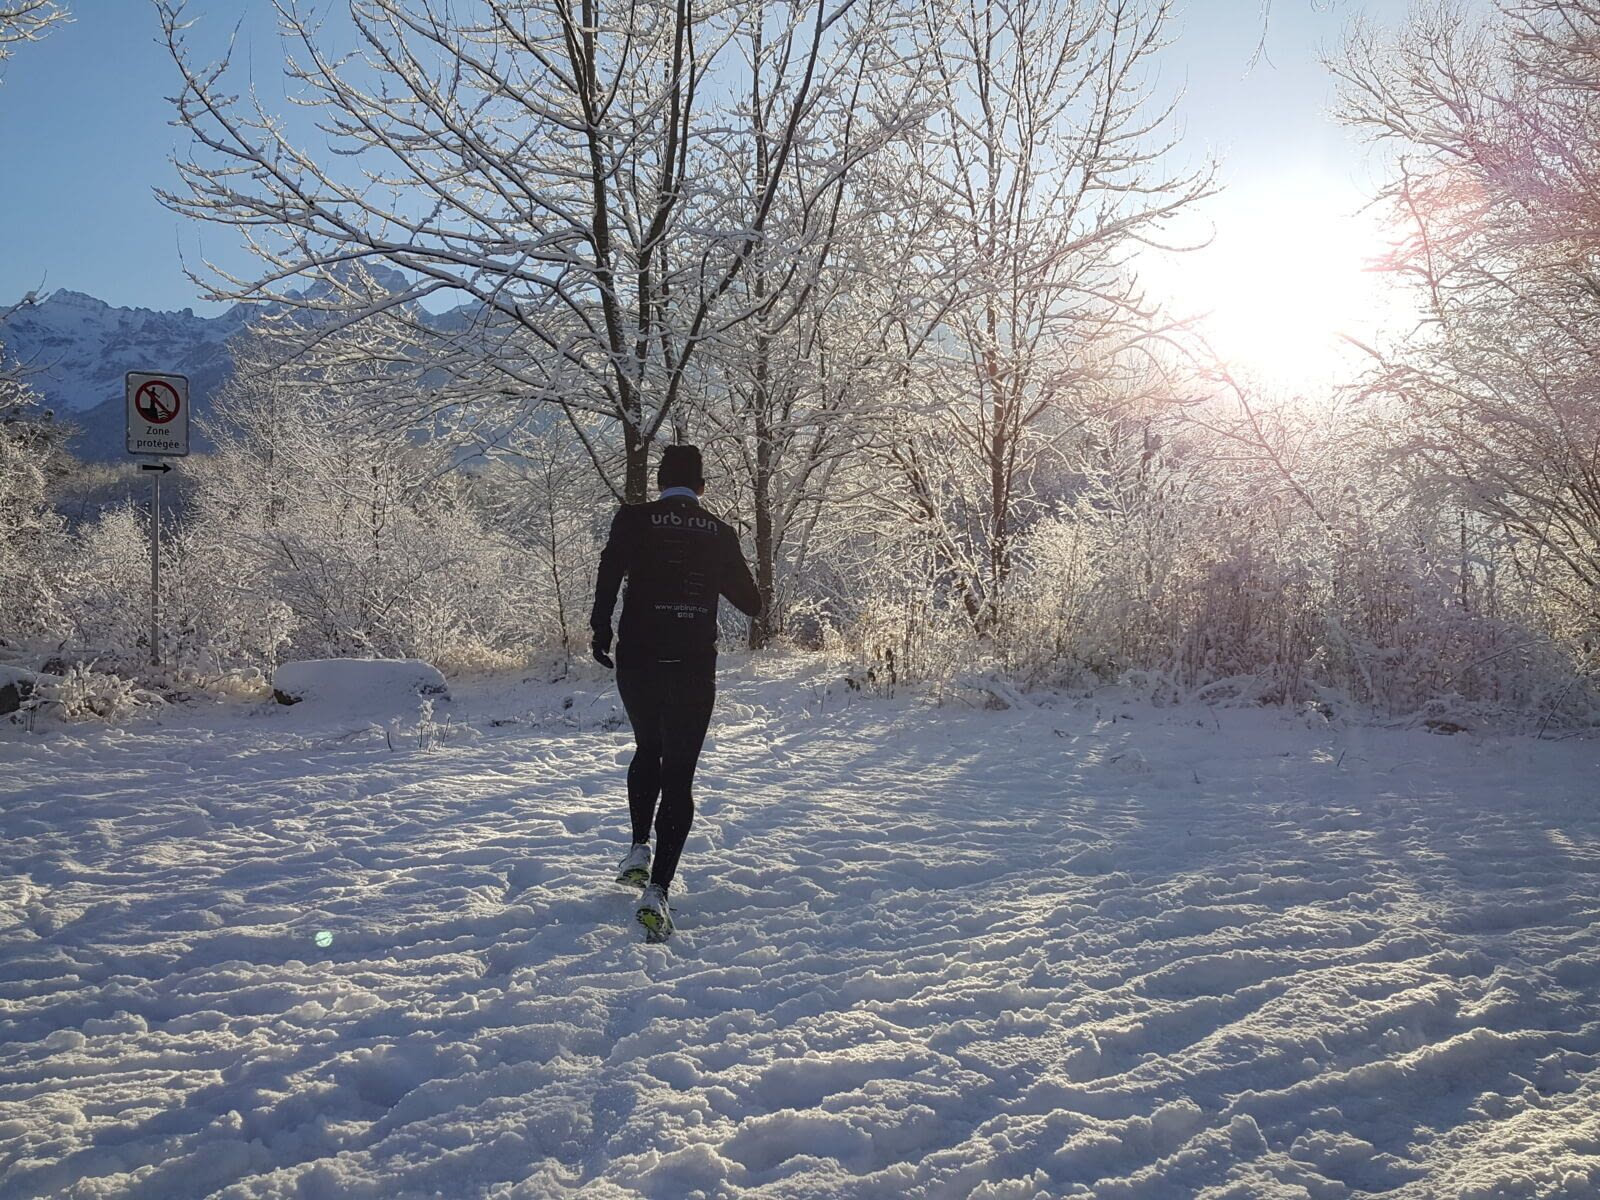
(602, 647)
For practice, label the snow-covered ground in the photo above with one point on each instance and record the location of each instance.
(1081, 949)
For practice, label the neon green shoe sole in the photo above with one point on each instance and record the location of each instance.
(656, 927)
(638, 877)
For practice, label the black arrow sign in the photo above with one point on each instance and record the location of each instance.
(162, 467)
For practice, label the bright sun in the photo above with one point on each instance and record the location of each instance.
(1286, 275)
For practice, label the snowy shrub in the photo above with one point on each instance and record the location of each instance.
(239, 683)
(87, 694)
(330, 538)
(1247, 609)
(1062, 630)
(33, 537)
(1237, 554)
(106, 583)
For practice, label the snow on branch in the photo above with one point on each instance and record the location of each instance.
(573, 174)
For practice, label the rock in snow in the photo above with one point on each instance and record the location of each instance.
(16, 685)
(358, 685)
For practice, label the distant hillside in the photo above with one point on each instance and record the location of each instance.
(80, 348)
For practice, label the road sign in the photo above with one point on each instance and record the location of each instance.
(158, 424)
(158, 413)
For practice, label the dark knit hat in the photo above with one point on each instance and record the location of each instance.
(680, 467)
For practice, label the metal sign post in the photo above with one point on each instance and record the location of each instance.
(158, 425)
(158, 470)
(155, 567)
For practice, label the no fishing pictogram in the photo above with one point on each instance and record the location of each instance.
(157, 401)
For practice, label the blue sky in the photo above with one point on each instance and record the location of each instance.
(85, 131)
(85, 136)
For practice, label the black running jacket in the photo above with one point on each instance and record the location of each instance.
(678, 559)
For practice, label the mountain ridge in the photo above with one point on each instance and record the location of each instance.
(77, 349)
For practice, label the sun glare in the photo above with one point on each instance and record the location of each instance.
(1278, 288)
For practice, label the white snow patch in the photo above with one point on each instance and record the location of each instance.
(360, 686)
(924, 952)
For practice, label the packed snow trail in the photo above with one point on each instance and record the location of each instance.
(1086, 948)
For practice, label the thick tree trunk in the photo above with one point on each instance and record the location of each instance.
(636, 471)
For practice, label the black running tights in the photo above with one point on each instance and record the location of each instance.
(669, 705)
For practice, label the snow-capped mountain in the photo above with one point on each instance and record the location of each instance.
(80, 348)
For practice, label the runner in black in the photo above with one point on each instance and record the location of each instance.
(678, 560)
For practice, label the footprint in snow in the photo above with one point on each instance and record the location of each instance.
(524, 874)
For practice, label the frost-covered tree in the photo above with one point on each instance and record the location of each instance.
(26, 21)
(569, 167)
(546, 501)
(32, 444)
(781, 395)
(28, 441)
(1494, 133)
(32, 534)
(1046, 163)
(33, 541)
